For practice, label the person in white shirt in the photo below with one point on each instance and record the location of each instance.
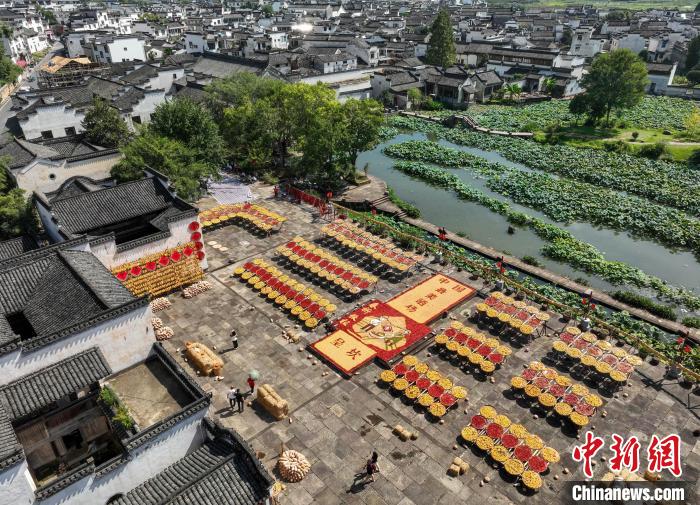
(231, 395)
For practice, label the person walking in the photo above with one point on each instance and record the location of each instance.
(231, 395)
(234, 339)
(239, 400)
(251, 384)
(372, 466)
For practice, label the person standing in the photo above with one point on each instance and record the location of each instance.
(234, 339)
(251, 384)
(239, 400)
(232, 395)
(372, 466)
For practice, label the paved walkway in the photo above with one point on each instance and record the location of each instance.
(336, 422)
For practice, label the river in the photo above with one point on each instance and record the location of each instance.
(478, 223)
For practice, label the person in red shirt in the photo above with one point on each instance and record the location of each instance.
(251, 384)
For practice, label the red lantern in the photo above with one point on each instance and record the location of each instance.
(193, 226)
(164, 260)
(196, 236)
(199, 246)
(187, 251)
(151, 265)
(122, 275)
(175, 256)
(136, 271)
(200, 255)
(687, 349)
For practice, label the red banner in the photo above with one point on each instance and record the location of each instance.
(382, 328)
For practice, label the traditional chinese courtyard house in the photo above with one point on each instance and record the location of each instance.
(91, 407)
(140, 230)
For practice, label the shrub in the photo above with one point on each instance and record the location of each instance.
(107, 396)
(433, 105)
(616, 146)
(531, 260)
(653, 151)
(635, 135)
(269, 178)
(410, 209)
(691, 322)
(642, 302)
(123, 417)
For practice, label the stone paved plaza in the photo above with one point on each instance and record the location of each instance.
(337, 422)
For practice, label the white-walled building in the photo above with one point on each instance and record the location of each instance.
(58, 112)
(127, 222)
(117, 49)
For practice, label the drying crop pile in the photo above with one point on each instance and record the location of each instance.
(565, 200)
(651, 113)
(651, 335)
(659, 181)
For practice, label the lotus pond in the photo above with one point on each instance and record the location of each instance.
(479, 223)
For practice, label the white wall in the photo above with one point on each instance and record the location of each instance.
(17, 484)
(179, 235)
(162, 451)
(37, 175)
(124, 341)
(55, 118)
(127, 50)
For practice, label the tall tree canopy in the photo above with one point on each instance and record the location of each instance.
(9, 72)
(293, 129)
(16, 211)
(441, 47)
(693, 56)
(616, 81)
(182, 141)
(103, 126)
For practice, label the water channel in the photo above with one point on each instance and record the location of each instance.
(478, 223)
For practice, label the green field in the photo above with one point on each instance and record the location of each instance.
(637, 5)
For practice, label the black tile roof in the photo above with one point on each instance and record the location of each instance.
(58, 291)
(10, 448)
(220, 472)
(35, 391)
(92, 210)
(17, 246)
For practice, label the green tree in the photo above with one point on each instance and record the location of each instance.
(616, 81)
(194, 126)
(513, 91)
(103, 126)
(693, 56)
(578, 106)
(48, 15)
(415, 96)
(171, 157)
(182, 141)
(16, 214)
(548, 85)
(5, 30)
(693, 77)
(9, 72)
(441, 47)
(267, 10)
